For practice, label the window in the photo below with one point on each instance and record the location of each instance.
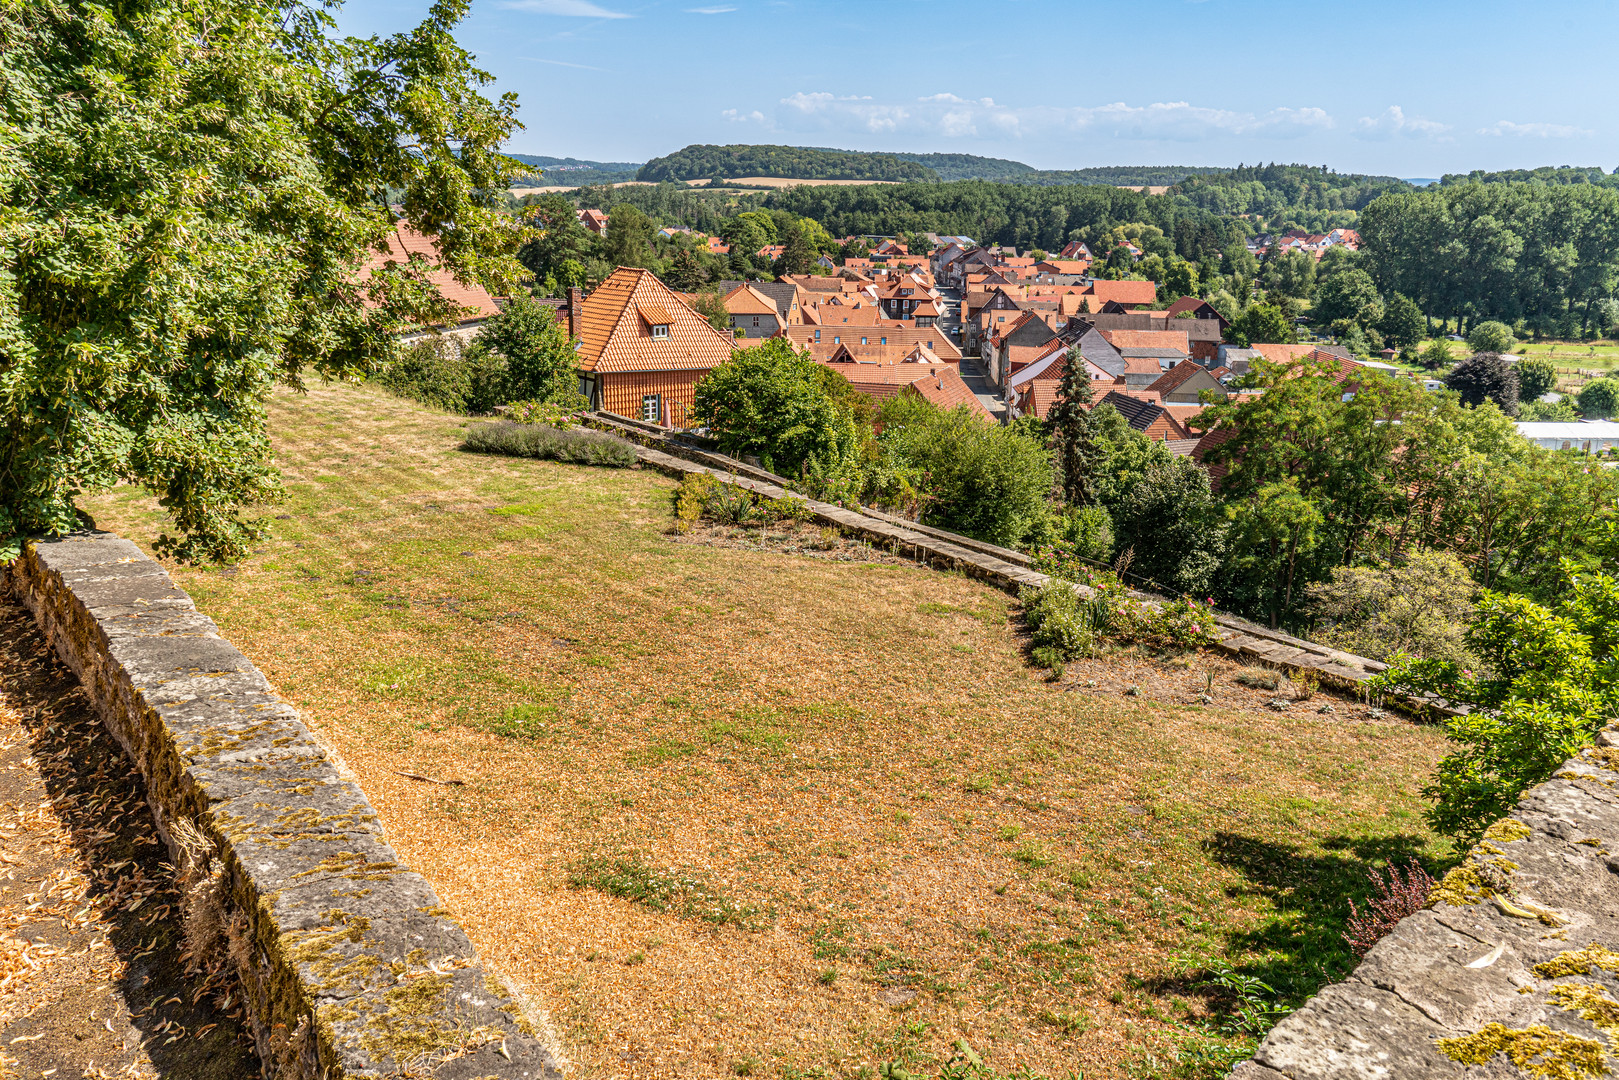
(835, 340)
(661, 330)
(652, 408)
(1000, 318)
(865, 341)
(756, 320)
(882, 341)
(817, 335)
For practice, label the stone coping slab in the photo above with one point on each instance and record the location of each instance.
(1512, 970)
(349, 964)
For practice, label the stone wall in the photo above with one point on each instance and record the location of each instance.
(349, 964)
(1512, 972)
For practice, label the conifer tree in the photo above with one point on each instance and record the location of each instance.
(1071, 428)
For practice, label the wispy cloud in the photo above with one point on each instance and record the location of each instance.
(709, 10)
(579, 8)
(1534, 131)
(953, 116)
(1393, 123)
(559, 63)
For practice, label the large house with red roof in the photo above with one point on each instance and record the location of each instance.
(642, 349)
(473, 303)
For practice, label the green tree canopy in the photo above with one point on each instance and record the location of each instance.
(191, 191)
(1490, 336)
(539, 362)
(1599, 399)
(629, 237)
(1349, 295)
(1262, 323)
(1484, 377)
(1536, 376)
(557, 239)
(771, 401)
(1402, 324)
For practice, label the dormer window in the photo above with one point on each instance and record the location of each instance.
(660, 330)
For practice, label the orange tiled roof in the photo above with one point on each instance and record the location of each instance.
(403, 242)
(1147, 339)
(1282, 354)
(613, 336)
(1125, 292)
(746, 300)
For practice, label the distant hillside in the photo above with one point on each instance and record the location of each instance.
(973, 167)
(573, 171)
(1276, 197)
(791, 162)
(970, 166)
(1546, 174)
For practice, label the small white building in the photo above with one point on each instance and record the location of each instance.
(1589, 435)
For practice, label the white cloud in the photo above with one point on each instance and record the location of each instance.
(1392, 123)
(709, 10)
(755, 117)
(1536, 131)
(580, 8)
(559, 63)
(952, 116)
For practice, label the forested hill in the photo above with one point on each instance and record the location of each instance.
(1562, 174)
(574, 171)
(789, 162)
(973, 167)
(1278, 197)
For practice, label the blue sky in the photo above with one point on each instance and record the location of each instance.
(1409, 88)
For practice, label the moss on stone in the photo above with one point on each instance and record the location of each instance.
(1579, 962)
(411, 1022)
(1591, 1002)
(1508, 830)
(1461, 887)
(1538, 1051)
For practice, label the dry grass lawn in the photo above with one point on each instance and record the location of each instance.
(742, 812)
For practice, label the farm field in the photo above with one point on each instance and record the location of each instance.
(732, 811)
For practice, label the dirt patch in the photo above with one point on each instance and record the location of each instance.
(92, 961)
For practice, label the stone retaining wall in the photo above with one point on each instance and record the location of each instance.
(1513, 971)
(350, 965)
(1001, 567)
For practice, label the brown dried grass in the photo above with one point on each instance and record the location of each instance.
(855, 754)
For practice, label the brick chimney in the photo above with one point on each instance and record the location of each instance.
(576, 298)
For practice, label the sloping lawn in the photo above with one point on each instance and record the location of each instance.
(739, 812)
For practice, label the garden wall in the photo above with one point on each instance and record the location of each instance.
(349, 964)
(1509, 971)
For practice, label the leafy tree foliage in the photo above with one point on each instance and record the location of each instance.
(556, 240)
(1262, 323)
(1547, 681)
(1437, 356)
(629, 238)
(1485, 377)
(1350, 295)
(191, 191)
(685, 273)
(1288, 196)
(1273, 534)
(1419, 605)
(1402, 324)
(535, 351)
(981, 479)
(1490, 336)
(770, 400)
(1536, 376)
(1599, 399)
(1508, 251)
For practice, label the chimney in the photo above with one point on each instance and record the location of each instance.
(576, 297)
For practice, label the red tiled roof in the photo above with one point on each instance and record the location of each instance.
(1175, 377)
(612, 337)
(403, 242)
(1146, 339)
(1125, 292)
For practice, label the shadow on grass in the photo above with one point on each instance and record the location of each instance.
(1299, 947)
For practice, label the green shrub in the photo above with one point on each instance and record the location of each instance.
(557, 413)
(1075, 541)
(691, 499)
(437, 371)
(1421, 607)
(553, 443)
(1061, 620)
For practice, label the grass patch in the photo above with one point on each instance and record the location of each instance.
(793, 736)
(1259, 678)
(629, 877)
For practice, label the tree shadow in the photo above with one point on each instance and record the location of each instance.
(187, 1024)
(1299, 946)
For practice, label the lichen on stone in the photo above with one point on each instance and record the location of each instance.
(1538, 1051)
(1579, 962)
